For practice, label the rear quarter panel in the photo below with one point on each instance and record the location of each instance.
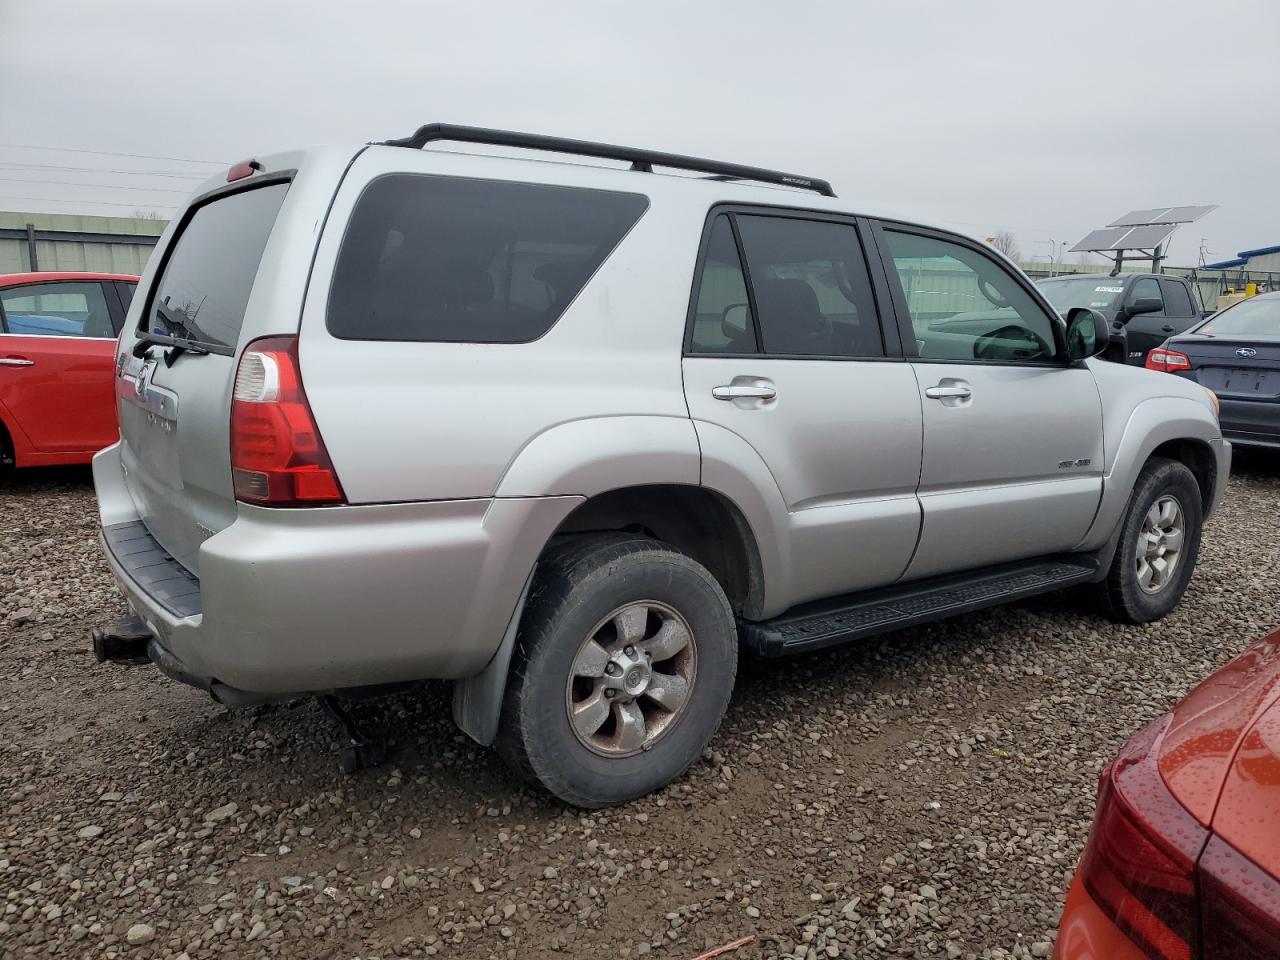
(425, 421)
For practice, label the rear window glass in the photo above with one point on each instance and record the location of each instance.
(201, 294)
(470, 261)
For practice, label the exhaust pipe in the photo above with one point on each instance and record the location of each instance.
(124, 641)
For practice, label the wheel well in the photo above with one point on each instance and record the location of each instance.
(697, 521)
(1198, 458)
(7, 452)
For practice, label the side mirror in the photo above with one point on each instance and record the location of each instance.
(1088, 333)
(1144, 305)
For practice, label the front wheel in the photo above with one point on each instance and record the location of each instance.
(625, 663)
(1159, 543)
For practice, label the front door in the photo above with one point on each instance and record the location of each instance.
(56, 364)
(1013, 457)
(786, 351)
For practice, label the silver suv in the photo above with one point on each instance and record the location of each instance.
(572, 435)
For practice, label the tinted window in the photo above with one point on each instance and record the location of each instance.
(722, 321)
(812, 294)
(126, 292)
(1177, 302)
(966, 306)
(201, 294)
(1146, 287)
(67, 309)
(470, 261)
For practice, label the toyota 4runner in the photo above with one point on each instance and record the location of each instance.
(572, 434)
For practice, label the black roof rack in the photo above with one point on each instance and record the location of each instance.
(642, 160)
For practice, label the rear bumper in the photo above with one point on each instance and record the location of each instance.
(1251, 423)
(294, 601)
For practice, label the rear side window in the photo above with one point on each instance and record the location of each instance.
(445, 259)
(1177, 302)
(58, 309)
(201, 294)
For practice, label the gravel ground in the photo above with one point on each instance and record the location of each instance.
(921, 795)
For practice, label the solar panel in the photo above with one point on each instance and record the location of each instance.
(1135, 217)
(1138, 218)
(1145, 238)
(1188, 214)
(1104, 239)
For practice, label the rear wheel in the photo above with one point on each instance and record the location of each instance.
(624, 666)
(1159, 543)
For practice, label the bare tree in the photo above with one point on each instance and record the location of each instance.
(140, 214)
(1006, 243)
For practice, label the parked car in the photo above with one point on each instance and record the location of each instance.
(475, 427)
(57, 350)
(1184, 858)
(1142, 308)
(1235, 353)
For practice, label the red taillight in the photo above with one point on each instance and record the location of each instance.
(1167, 360)
(1240, 909)
(1140, 864)
(277, 456)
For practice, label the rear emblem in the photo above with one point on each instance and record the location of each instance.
(1247, 352)
(140, 385)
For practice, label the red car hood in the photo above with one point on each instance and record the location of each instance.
(1221, 754)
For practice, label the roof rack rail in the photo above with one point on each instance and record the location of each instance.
(641, 160)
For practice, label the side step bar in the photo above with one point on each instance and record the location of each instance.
(822, 624)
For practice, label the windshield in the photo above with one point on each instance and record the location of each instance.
(1081, 292)
(1255, 319)
(202, 293)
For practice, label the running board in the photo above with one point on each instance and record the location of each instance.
(822, 624)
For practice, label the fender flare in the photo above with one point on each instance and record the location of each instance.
(1151, 423)
(585, 458)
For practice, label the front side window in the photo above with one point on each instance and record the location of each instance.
(1144, 289)
(965, 306)
(60, 309)
(448, 260)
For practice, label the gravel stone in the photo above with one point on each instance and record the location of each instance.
(925, 794)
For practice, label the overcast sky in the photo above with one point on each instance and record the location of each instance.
(1046, 119)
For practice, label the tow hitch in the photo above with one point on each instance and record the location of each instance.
(124, 641)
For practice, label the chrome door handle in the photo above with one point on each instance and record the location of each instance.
(742, 391)
(16, 362)
(948, 393)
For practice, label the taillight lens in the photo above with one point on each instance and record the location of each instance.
(1140, 864)
(1167, 360)
(277, 456)
(1240, 905)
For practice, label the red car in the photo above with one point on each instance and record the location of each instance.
(1184, 858)
(57, 351)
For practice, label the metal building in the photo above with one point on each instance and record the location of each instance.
(58, 241)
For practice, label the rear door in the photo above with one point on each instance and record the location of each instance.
(1012, 463)
(175, 410)
(56, 357)
(1146, 330)
(786, 350)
